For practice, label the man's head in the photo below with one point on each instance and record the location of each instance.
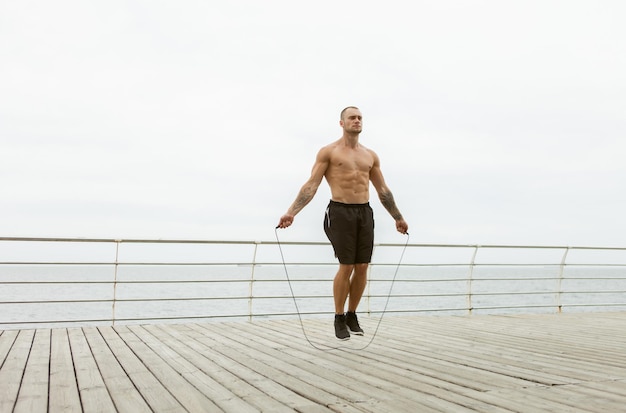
(351, 120)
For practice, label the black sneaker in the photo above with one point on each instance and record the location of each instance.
(341, 330)
(353, 323)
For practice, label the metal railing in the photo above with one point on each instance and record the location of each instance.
(49, 282)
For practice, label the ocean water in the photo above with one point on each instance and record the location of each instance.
(50, 295)
(47, 283)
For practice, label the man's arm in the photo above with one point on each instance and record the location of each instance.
(308, 190)
(386, 197)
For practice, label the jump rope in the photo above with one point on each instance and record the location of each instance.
(295, 302)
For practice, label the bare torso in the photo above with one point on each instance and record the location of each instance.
(348, 167)
(348, 171)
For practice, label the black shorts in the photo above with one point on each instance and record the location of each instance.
(350, 229)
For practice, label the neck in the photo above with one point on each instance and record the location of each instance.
(350, 139)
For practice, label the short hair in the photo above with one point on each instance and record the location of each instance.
(344, 111)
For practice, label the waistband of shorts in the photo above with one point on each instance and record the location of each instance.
(349, 205)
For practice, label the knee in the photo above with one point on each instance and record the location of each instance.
(360, 267)
(345, 271)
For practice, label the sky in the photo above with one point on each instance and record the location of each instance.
(496, 122)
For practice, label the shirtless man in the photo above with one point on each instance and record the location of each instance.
(348, 168)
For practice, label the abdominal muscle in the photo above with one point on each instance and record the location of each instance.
(349, 189)
(348, 173)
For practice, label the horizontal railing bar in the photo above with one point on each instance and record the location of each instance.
(227, 242)
(499, 293)
(57, 301)
(158, 241)
(129, 240)
(304, 297)
(593, 265)
(303, 313)
(108, 320)
(38, 322)
(96, 282)
(303, 264)
(264, 280)
(303, 280)
(597, 305)
(136, 300)
(86, 263)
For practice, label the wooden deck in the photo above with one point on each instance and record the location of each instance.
(522, 363)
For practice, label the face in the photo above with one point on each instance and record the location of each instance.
(352, 121)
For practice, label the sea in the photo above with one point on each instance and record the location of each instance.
(149, 283)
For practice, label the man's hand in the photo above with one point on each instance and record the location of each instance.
(285, 221)
(402, 226)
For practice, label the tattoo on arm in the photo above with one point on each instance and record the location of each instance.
(386, 198)
(303, 198)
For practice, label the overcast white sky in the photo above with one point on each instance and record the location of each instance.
(495, 121)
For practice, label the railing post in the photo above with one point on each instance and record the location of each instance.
(117, 254)
(560, 281)
(470, 305)
(251, 289)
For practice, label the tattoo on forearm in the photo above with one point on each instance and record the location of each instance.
(303, 198)
(386, 198)
(301, 201)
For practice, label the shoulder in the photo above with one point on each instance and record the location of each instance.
(325, 152)
(328, 149)
(371, 152)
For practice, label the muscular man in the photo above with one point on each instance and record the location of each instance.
(348, 168)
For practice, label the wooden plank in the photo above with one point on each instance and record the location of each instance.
(428, 375)
(389, 383)
(93, 392)
(332, 381)
(218, 350)
(237, 376)
(202, 373)
(33, 395)
(125, 396)
(184, 392)
(532, 363)
(593, 400)
(64, 395)
(578, 358)
(12, 369)
(262, 370)
(516, 335)
(407, 353)
(615, 388)
(427, 363)
(155, 393)
(535, 353)
(539, 363)
(7, 338)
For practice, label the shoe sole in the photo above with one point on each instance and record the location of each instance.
(358, 333)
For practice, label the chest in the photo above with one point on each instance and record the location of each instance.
(349, 160)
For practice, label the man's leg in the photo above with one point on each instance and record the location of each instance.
(357, 286)
(341, 289)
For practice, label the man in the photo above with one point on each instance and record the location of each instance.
(348, 168)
